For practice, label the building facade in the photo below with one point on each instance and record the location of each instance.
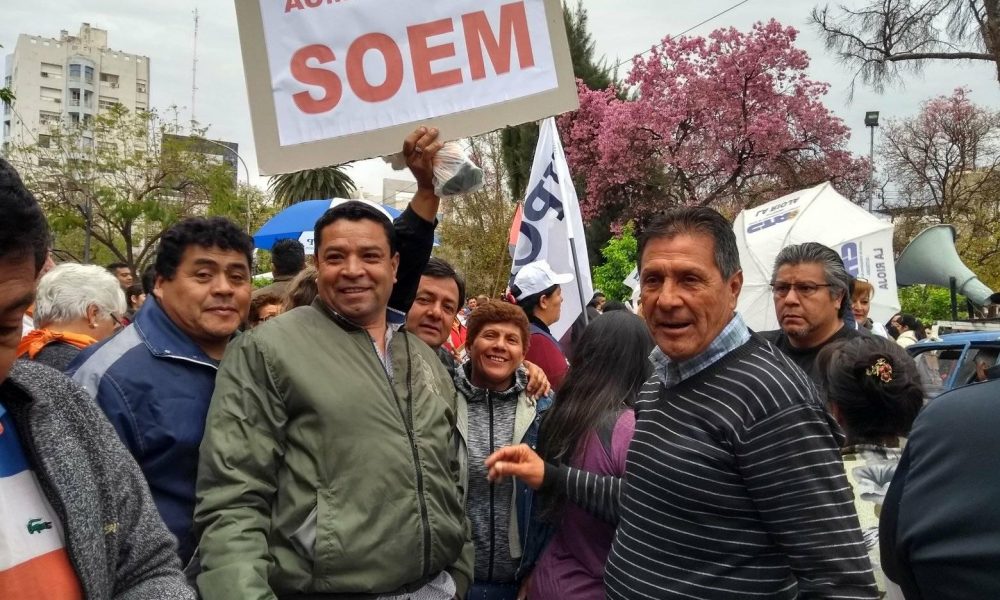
(68, 80)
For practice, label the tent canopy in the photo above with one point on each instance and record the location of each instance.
(818, 214)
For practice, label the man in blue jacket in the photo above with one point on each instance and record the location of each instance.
(154, 380)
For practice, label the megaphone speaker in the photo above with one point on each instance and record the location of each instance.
(931, 258)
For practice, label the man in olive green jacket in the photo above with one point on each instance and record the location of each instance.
(328, 467)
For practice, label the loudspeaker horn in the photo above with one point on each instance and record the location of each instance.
(931, 258)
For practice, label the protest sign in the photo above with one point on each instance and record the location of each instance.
(331, 81)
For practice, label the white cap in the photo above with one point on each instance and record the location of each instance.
(537, 277)
(338, 201)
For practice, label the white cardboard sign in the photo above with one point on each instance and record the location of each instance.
(336, 80)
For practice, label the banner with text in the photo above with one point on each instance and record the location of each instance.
(550, 219)
(331, 81)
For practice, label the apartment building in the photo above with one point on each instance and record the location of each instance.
(68, 79)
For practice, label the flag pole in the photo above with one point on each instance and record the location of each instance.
(564, 184)
(579, 288)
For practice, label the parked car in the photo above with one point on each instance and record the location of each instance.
(951, 361)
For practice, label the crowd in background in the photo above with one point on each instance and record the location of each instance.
(363, 427)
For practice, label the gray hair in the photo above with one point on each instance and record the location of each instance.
(834, 272)
(65, 293)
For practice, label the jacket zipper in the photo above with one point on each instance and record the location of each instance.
(407, 419)
(489, 410)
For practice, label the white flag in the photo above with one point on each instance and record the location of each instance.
(551, 218)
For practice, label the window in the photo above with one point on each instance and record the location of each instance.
(110, 79)
(44, 141)
(51, 70)
(140, 87)
(88, 74)
(106, 102)
(74, 72)
(74, 97)
(48, 93)
(46, 117)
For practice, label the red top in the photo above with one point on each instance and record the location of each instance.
(549, 357)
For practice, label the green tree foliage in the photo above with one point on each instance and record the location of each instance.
(619, 259)
(519, 142)
(312, 184)
(6, 95)
(125, 173)
(929, 303)
(242, 203)
(475, 227)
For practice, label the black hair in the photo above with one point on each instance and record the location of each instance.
(529, 303)
(611, 366)
(117, 265)
(24, 231)
(288, 257)
(875, 400)
(440, 269)
(914, 325)
(217, 232)
(613, 305)
(597, 297)
(148, 278)
(133, 290)
(354, 211)
(696, 220)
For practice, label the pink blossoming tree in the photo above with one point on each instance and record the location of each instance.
(729, 122)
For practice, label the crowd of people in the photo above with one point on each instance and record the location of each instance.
(361, 428)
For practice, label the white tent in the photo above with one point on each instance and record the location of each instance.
(817, 214)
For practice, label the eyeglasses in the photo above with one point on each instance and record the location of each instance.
(119, 322)
(804, 289)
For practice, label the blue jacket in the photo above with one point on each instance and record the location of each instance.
(155, 384)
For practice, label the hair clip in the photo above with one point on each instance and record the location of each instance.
(881, 369)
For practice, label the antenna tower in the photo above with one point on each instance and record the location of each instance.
(194, 71)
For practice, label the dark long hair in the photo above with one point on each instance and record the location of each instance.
(874, 384)
(611, 362)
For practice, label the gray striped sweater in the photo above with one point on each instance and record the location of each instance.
(734, 488)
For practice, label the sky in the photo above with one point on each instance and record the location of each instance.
(163, 31)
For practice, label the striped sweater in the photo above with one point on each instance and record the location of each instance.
(734, 488)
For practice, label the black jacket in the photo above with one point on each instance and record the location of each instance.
(940, 522)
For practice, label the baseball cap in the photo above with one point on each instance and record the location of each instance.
(537, 277)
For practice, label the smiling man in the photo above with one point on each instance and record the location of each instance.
(155, 378)
(811, 298)
(328, 466)
(734, 487)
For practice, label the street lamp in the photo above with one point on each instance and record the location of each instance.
(245, 168)
(871, 122)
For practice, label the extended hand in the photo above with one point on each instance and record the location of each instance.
(517, 461)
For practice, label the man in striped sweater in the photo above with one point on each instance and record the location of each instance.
(734, 486)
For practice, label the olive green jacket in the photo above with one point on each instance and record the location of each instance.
(319, 476)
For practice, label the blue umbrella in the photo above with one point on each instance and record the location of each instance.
(297, 222)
